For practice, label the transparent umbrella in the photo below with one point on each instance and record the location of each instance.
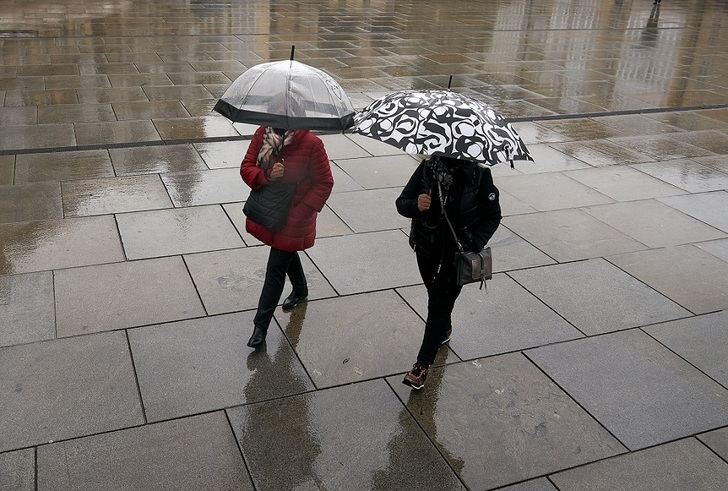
(287, 94)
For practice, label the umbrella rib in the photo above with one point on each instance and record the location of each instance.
(328, 92)
(250, 87)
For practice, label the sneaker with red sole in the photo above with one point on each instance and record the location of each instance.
(417, 376)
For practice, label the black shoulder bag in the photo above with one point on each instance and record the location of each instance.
(268, 206)
(470, 267)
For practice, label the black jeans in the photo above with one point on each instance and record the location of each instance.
(280, 264)
(442, 292)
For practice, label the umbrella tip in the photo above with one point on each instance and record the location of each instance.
(449, 83)
(293, 50)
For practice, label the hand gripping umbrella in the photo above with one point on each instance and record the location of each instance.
(287, 94)
(442, 122)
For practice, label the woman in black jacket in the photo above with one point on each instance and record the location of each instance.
(471, 202)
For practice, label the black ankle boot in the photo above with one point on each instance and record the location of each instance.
(293, 300)
(258, 337)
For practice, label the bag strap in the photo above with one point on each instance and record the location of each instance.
(447, 219)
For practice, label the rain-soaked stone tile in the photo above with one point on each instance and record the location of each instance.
(45, 245)
(63, 166)
(194, 128)
(580, 129)
(89, 379)
(7, 169)
(710, 208)
(232, 280)
(512, 252)
(600, 153)
(22, 97)
(374, 147)
(686, 174)
(114, 195)
(480, 316)
(76, 113)
(115, 132)
(547, 159)
(540, 484)
(18, 116)
(243, 129)
(121, 295)
(115, 94)
(661, 147)
(358, 351)
(712, 141)
(34, 83)
(717, 440)
(218, 155)
(684, 464)
(700, 340)
(198, 452)
(343, 182)
(718, 248)
(570, 235)
(179, 231)
(206, 187)
(396, 454)
(176, 92)
(201, 107)
(691, 277)
(198, 78)
(466, 404)
(691, 121)
(37, 136)
(138, 79)
(380, 172)
(634, 124)
(149, 110)
(597, 297)
(366, 262)
(370, 210)
(623, 183)
(717, 114)
(26, 308)
(77, 82)
(511, 205)
(17, 470)
(717, 162)
(551, 191)
(340, 147)
(653, 223)
(35, 201)
(107, 68)
(155, 159)
(638, 389)
(199, 365)
(533, 133)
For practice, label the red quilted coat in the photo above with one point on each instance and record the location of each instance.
(307, 165)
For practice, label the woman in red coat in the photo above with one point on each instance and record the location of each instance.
(303, 162)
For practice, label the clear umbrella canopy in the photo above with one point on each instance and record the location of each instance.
(287, 94)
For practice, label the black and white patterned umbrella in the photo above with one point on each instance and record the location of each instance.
(441, 122)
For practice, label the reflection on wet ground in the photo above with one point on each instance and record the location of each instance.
(128, 280)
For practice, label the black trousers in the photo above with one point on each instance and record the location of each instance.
(442, 292)
(280, 264)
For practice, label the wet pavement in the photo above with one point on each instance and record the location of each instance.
(596, 359)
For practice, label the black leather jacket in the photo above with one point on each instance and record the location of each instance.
(472, 206)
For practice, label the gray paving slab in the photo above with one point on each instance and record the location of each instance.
(120, 295)
(27, 312)
(711, 208)
(206, 187)
(54, 244)
(343, 182)
(368, 342)
(653, 223)
(717, 440)
(686, 174)
(374, 147)
(370, 210)
(540, 484)
(510, 205)
(472, 411)
(691, 277)
(200, 365)
(190, 453)
(702, 340)
(34, 201)
(365, 262)
(178, 231)
(356, 436)
(380, 172)
(551, 191)
(548, 159)
(66, 388)
(718, 248)
(7, 169)
(340, 147)
(598, 297)
(622, 183)
(676, 466)
(113, 195)
(569, 235)
(634, 386)
(17, 470)
(231, 280)
(62, 166)
(156, 159)
(218, 155)
(512, 252)
(505, 318)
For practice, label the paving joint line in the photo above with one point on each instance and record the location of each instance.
(240, 449)
(709, 447)
(136, 377)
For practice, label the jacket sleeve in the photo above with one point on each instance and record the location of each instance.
(489, 212)
(321, 178)
(254, 176)
(407, 201)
